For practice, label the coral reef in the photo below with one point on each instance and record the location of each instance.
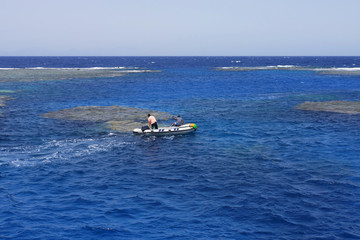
(332, 106)
(117, 118)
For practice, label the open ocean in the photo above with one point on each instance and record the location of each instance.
(256, 168)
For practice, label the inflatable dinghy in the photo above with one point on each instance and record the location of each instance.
(183, 129)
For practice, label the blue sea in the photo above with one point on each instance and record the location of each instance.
(256, 168)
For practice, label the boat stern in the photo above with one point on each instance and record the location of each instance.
(137, 130)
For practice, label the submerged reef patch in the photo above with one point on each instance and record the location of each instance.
(117, 118)
(332, 106)
(3, 99)
(43, 74)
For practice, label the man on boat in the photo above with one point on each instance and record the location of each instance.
(179, 121)
(152, 122)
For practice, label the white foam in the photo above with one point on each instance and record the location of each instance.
(170, 137)
(59, 151)
(286, 66)
(227, 67)
(278, 67)
(347, 69)
(108, 68)
(354, 69)
(292, 67)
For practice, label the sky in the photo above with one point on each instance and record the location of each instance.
(180, 28)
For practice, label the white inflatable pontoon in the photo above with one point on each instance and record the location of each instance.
(183, 129)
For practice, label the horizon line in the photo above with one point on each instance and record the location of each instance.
(181, 56)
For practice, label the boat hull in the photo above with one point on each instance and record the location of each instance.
(183, 129)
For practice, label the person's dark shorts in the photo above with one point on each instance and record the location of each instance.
(154, 125)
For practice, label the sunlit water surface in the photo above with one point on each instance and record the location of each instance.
(257, 168)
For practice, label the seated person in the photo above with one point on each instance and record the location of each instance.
(179, 121)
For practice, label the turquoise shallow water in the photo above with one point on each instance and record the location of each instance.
(257, 168)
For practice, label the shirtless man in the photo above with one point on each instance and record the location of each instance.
(152, 122)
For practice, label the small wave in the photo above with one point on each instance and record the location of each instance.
(121, 213)
(350, 69)
(100, 229)
(278, 67)
(170, 137)
(286, 66)
(324, 70)
(150, 138)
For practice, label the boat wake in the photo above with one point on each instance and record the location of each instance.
(59, 150)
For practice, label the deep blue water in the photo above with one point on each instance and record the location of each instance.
(257, 168)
